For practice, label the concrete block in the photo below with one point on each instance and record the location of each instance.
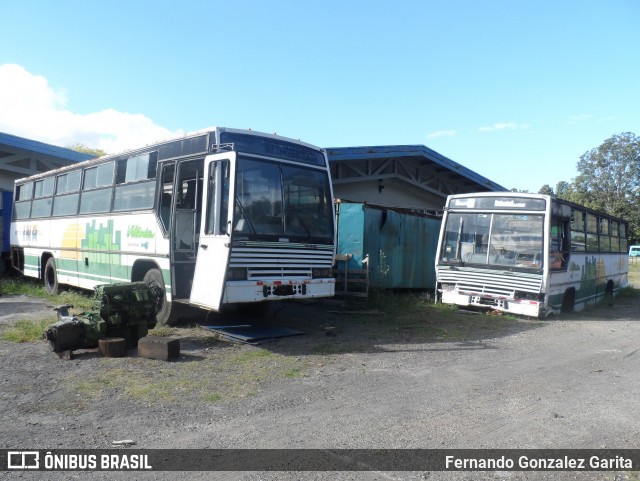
(112, 346)
(156, 347)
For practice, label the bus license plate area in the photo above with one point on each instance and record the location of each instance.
(489, 302)
(284, 290)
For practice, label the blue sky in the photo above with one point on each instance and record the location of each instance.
(514, 90)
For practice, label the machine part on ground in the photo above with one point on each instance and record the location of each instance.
(120, 310)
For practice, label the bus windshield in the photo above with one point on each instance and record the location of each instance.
(500, 240)
(275, 200)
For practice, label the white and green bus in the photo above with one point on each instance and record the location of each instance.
(222, 217)
(528, 254)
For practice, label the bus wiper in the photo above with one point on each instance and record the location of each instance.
(245, 216)
(303, 224)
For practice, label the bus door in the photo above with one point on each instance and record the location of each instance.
(215, 234)
(186, 224)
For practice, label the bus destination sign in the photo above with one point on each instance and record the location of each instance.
(273, 148)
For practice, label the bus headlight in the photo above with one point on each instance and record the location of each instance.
(320, 273)
(237, 274)
(528, 296)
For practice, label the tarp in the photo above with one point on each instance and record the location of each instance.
(253, 334)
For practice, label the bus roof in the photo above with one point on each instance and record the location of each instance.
(202, 147)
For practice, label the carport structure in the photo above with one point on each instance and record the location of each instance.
(407, 176)
(20, 157)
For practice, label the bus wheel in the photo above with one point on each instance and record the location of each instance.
(51, 277)
(153, 278)
(568, 301)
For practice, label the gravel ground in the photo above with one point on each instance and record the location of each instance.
(569, 383)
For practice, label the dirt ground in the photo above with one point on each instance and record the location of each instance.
(573, 382)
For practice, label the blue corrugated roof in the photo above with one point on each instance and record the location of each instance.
(42, 148)
(337, 154)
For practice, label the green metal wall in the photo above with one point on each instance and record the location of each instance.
(401, 246)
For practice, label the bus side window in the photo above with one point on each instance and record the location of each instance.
(217, 198)
(164, 207)
(558, 245)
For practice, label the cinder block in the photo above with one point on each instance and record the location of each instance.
(156, 347)
(112, 346)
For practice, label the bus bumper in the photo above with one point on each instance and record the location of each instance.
(514, 306)
(257, 291)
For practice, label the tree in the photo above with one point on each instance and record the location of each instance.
(567, 191)
(87, 150)
(609, 179)
(546, 190)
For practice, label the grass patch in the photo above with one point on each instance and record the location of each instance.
(136, 385)
(225, 375)
(294, 372)
(28, 287)
(213, 397)
(25, 331)
(252, 356)
(628, 293)
(163, 331)
(391, 302)
(415, 317)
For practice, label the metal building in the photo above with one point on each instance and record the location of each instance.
(389, 220)
(20, 157)
(407, 176)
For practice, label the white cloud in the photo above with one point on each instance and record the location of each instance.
(31, 108)
(442, 133)
(504, 126)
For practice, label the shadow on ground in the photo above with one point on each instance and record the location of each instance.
(335, 327)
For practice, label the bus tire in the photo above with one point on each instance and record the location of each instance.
(568, 301)
(153, 278)
(50, 277)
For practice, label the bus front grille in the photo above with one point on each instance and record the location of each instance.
(275, 261)
(487, 283)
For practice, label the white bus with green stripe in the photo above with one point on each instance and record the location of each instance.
(528, 254)
(217, 218)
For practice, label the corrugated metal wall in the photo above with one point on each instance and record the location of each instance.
(401, 246)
